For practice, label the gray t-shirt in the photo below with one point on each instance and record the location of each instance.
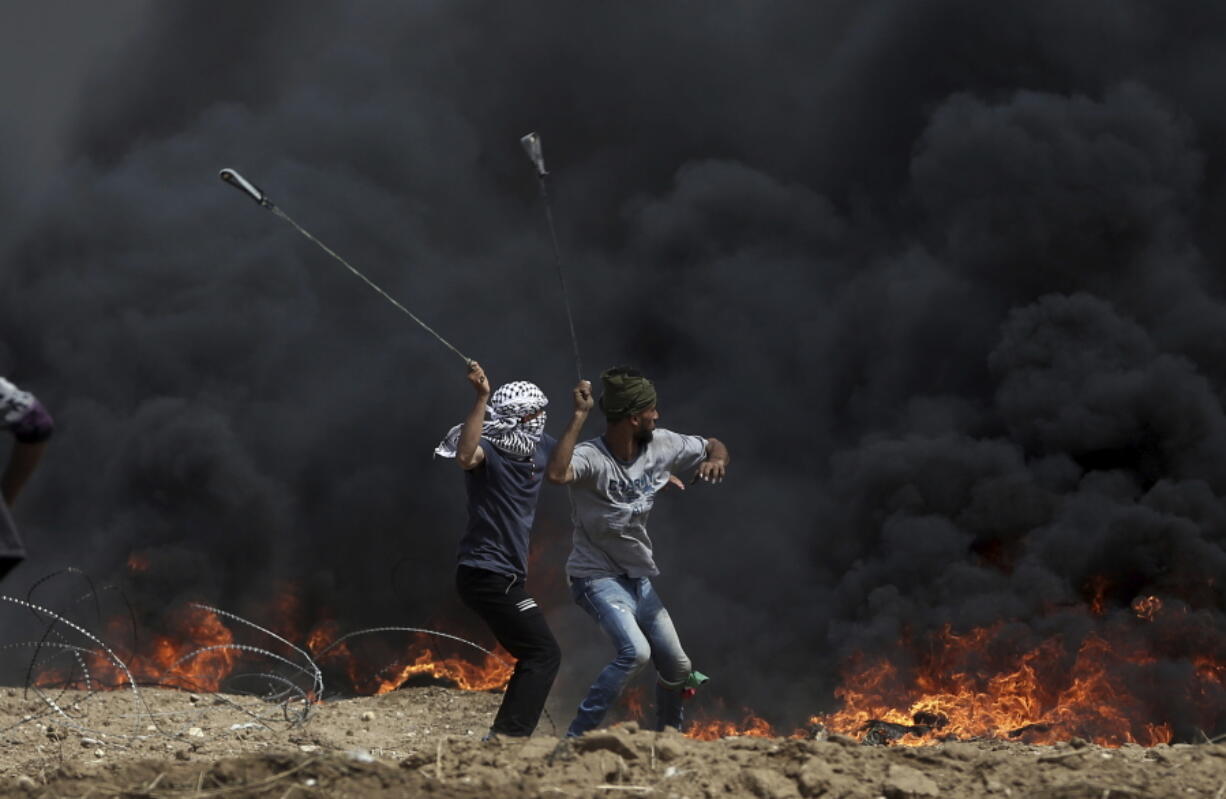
(611, 499)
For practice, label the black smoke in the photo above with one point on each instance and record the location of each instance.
(944, 276)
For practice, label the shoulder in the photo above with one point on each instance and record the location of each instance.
(678, 436)
(589, 454)
(672, 444)
(590, 448)
(546, 445)
(672, 438)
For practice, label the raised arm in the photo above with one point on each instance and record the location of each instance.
(559, 470)
(469, 454)
(713, 469)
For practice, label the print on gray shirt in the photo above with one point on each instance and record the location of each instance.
(610, 501)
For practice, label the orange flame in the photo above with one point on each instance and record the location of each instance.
(493, 671)
(1097, 587)
(750, 726)
(632, 701)
(1147, 607)
(1036, 698)
(138, 562)
(420, 660)
(322, 636)
(960, 684)
(161, 660)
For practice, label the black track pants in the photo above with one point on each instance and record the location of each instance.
(12, 551)
(519, 625)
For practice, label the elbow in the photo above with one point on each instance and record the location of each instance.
(557, 478)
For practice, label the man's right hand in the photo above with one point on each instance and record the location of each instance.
(469, 454)
(476, 376)
(583, 397)
(559, 469)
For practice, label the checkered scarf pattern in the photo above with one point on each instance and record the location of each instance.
(14, 403)
(510, 436)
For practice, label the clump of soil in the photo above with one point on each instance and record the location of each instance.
(427, 741)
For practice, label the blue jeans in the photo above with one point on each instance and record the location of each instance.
(632, 615)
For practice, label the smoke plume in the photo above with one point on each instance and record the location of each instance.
(942, 275)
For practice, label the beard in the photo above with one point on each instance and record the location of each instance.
(643, 436)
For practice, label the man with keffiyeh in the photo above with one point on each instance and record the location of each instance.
(613, 482)
(503, 458)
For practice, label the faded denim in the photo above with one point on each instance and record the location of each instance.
(632, 615)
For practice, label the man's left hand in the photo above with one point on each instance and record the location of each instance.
(712, 471)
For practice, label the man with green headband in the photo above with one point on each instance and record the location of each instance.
(613, 481)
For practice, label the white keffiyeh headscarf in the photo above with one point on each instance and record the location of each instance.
(504, 428)
(14, 403)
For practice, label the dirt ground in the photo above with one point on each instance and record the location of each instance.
(427, 741)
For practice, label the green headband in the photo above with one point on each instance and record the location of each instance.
(626, 392)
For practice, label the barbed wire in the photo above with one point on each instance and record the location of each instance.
(286, 691)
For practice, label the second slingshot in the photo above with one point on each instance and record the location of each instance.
(532, 146)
